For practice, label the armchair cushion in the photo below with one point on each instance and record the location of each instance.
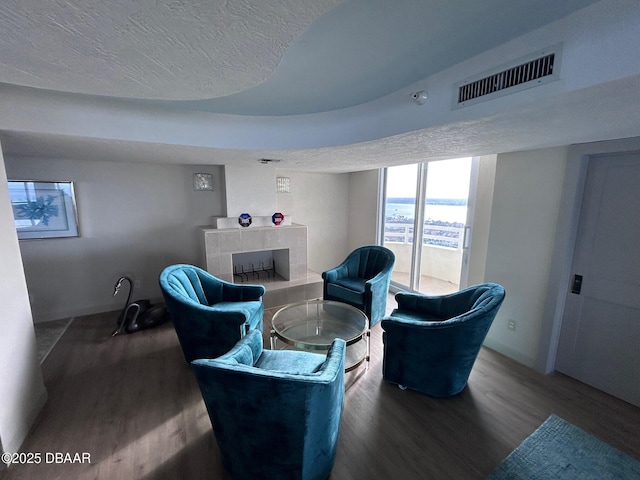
(350, 290)
(209, 314)
(289, 400)
(291, 362)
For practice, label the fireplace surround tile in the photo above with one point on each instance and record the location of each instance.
(253, 240)
(229, 241)
(221, 244)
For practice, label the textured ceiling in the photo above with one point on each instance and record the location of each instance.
(158, 49)
(268, 63)
(266, 57)
(572, 115)
(365, 49)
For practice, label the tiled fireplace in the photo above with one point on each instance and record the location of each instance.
(226, 243)
(222, 244)
(286, 245)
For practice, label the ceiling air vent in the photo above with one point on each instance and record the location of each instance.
(528, 72)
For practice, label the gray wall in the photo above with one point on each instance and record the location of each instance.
(134, 219)
(320, 201)
(363, 208)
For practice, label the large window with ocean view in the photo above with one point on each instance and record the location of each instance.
(425, 219)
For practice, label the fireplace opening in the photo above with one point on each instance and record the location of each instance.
(265, 265)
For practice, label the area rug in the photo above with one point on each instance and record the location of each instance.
(48, 334)
(559, 450)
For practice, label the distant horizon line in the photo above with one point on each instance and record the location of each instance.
(430, 201)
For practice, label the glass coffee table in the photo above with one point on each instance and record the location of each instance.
(313, 324)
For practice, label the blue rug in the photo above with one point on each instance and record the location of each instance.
(559, 450)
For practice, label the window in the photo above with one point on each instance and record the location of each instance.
(425, 221)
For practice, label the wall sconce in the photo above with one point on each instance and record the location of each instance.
(202, 181)
(283, 185)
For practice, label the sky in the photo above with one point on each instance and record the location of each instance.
(445, 179)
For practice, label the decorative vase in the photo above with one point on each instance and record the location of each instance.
(244, 220)
(277, 218)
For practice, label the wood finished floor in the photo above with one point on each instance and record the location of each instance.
(133, 404)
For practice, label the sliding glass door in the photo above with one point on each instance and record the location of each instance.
(426, 224)
(401, 185)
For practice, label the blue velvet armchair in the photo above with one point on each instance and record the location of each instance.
(275, 413)
(209, 314)
(362, 280)
(432, 342)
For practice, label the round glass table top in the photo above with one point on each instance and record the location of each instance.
(314, 324)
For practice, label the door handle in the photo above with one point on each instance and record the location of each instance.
(576, 286)
(466, 238)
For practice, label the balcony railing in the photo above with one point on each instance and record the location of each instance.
(434, 233)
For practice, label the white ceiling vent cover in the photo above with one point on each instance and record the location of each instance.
(530, 71)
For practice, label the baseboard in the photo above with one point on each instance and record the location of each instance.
(81, 311)
(509, 352)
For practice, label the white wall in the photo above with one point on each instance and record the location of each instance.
(526, 205)
(22, 391)
(134, 219)
(363, 208)
(481, 219)
(320, 201)
(516, 215)
(250, 189)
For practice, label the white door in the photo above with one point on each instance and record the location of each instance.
(600, 336)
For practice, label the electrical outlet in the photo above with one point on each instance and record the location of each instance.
(137, 283)
(511, 324)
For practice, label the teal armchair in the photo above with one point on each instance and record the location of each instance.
(362, 280)
(209, 314)
(432, 342)
(275, 413)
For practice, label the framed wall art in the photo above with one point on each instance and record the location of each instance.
(43, 209)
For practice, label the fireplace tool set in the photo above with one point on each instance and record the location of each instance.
(243, 275)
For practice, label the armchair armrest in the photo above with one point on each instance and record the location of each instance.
(442, 307)
(334, 364)
(218, 290)
(230, 312)
(419, 303)
(335, 273)
(418, 335)
(236, 361)
(377, 282)
(232, 292)
(398, 323)
(246, 351)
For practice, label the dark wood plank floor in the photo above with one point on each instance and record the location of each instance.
(132, 403)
